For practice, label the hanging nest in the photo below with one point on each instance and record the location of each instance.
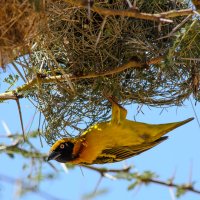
(19, 22)
(80, 57)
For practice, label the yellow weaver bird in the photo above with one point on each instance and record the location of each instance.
(111, 141)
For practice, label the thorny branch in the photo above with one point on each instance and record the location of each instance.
(145, 180)
(187, 187)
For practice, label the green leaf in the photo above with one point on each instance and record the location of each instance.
(125, 175)
(148, 175)
(133, 185)
(10, 155)
(11, 80)
(180, 191)
(95, 194)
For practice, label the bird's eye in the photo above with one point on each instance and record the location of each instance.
(62, 146)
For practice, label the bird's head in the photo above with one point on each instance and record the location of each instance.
(61, 151)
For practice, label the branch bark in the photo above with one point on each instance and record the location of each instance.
(186, 187)
(159, 17)
(13, 95)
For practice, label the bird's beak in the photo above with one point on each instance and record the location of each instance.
(53, 155)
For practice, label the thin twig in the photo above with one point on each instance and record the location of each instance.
(176, 28)
(191, 59)
(18, 71)
(129, 4)
(196, 116)
(101, 31)
(39, 130)
(97, 185)
(20, 116)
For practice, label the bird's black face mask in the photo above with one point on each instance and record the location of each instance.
(63, 153)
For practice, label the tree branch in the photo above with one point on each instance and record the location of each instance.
(187, 187)
(102, 171)
(11, 95)
(143, 179)
(160, 17)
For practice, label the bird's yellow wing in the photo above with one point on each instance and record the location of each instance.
(152, 132)
(117, 154)
(108, 142)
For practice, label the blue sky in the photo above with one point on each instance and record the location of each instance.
(178, 156)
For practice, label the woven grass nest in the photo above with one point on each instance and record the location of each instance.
(19, 22)
(85, 51)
